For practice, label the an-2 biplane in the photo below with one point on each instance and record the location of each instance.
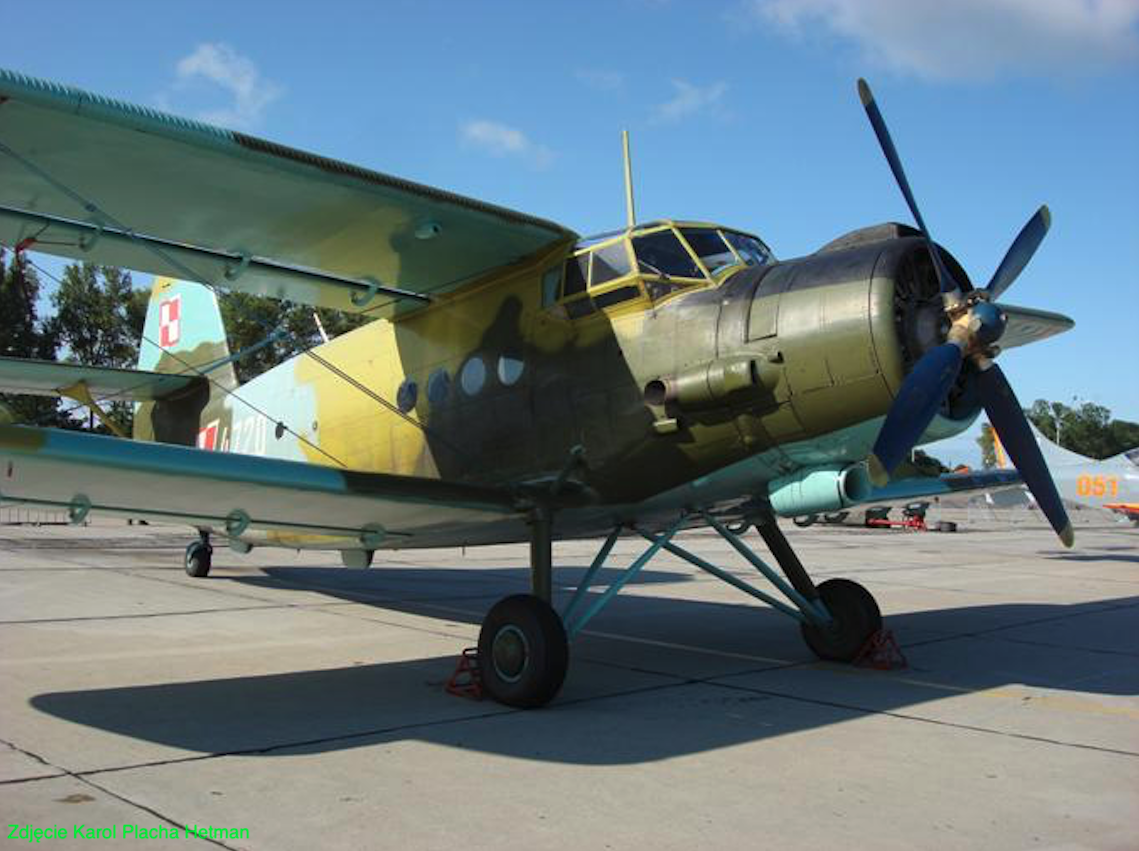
(523, 384)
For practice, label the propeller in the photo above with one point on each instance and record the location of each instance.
(975, 327)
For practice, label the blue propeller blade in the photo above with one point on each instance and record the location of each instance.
(948, 285)
(1008, 419)
(1020, 252)
(922, 393)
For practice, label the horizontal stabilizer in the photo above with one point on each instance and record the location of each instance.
(235, 494)
(27, 377)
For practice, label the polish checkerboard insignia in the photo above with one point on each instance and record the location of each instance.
(170, 322)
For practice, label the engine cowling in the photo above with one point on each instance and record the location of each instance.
(820, 489)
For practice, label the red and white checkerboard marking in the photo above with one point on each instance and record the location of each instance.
(208, 436)
(170, 322)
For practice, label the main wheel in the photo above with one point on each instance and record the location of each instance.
(804, 521)
(855, 618)
(523, 652)
(198, 557)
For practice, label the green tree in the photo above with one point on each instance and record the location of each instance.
(988, 447)
(97, 315)
(1087, 430)
(23, 334)
(250, 319)
(98, 320)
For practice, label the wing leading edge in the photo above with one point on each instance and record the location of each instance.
(173, 196)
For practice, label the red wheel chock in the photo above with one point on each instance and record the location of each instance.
(467, 680)
(881, 651)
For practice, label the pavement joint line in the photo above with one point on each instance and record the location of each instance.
(500, 712)
(305, 743)
(267, 605)
(148, 615)
(1033, 622)
(918, 718)
(156, 813)
(81, 778)
(1128, 653)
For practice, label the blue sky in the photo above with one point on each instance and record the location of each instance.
(742, 112)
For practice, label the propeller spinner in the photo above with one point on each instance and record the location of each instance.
(975, 327)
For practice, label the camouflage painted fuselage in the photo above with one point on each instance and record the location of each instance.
(775, 367)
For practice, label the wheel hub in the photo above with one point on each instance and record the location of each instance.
(510, 653)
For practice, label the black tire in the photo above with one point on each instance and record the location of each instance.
(523, 652)
(856, 618)
(198, 558)
(805, 521)
(836, 518)
(946, 526)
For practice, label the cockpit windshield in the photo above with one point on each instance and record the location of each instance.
(661, 253)
(751, 250)
(1133, 455)
(710, 247)
(665, 257)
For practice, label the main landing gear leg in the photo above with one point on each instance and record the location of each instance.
(837, 618)
(854, 614)
(523, 650)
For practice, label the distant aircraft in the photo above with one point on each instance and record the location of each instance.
(522, 384)
(1112, 483)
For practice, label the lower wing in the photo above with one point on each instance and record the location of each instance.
(235, 494)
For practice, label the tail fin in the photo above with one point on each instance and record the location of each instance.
(183, 333)
(1054, 454)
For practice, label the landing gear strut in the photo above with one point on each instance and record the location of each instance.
(523, 643)
(523, 649)
(198, 556)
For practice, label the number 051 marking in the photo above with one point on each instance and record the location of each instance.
(1097, 486)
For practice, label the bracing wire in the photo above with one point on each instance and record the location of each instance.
(190, 274)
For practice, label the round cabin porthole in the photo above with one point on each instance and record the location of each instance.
(438, 387)
(407, 395)
(473, 376)
(510, 369)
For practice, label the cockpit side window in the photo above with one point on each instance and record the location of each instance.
(661, 253)
(709, 246)
(551, 283)
(576, 270)
(753, 252)
(609, 262)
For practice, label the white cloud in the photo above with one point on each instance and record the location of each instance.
(601, 79)
(503, 141)
(220, 65)
(970, 39)
(689, 99)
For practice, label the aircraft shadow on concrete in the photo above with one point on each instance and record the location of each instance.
(1132, 559)
(335, 709)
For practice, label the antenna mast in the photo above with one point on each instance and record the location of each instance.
(632, 214)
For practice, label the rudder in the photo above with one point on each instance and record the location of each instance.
(183, 333)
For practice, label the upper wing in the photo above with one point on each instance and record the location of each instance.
(240, 493)
(92, 178)
(47, 378)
